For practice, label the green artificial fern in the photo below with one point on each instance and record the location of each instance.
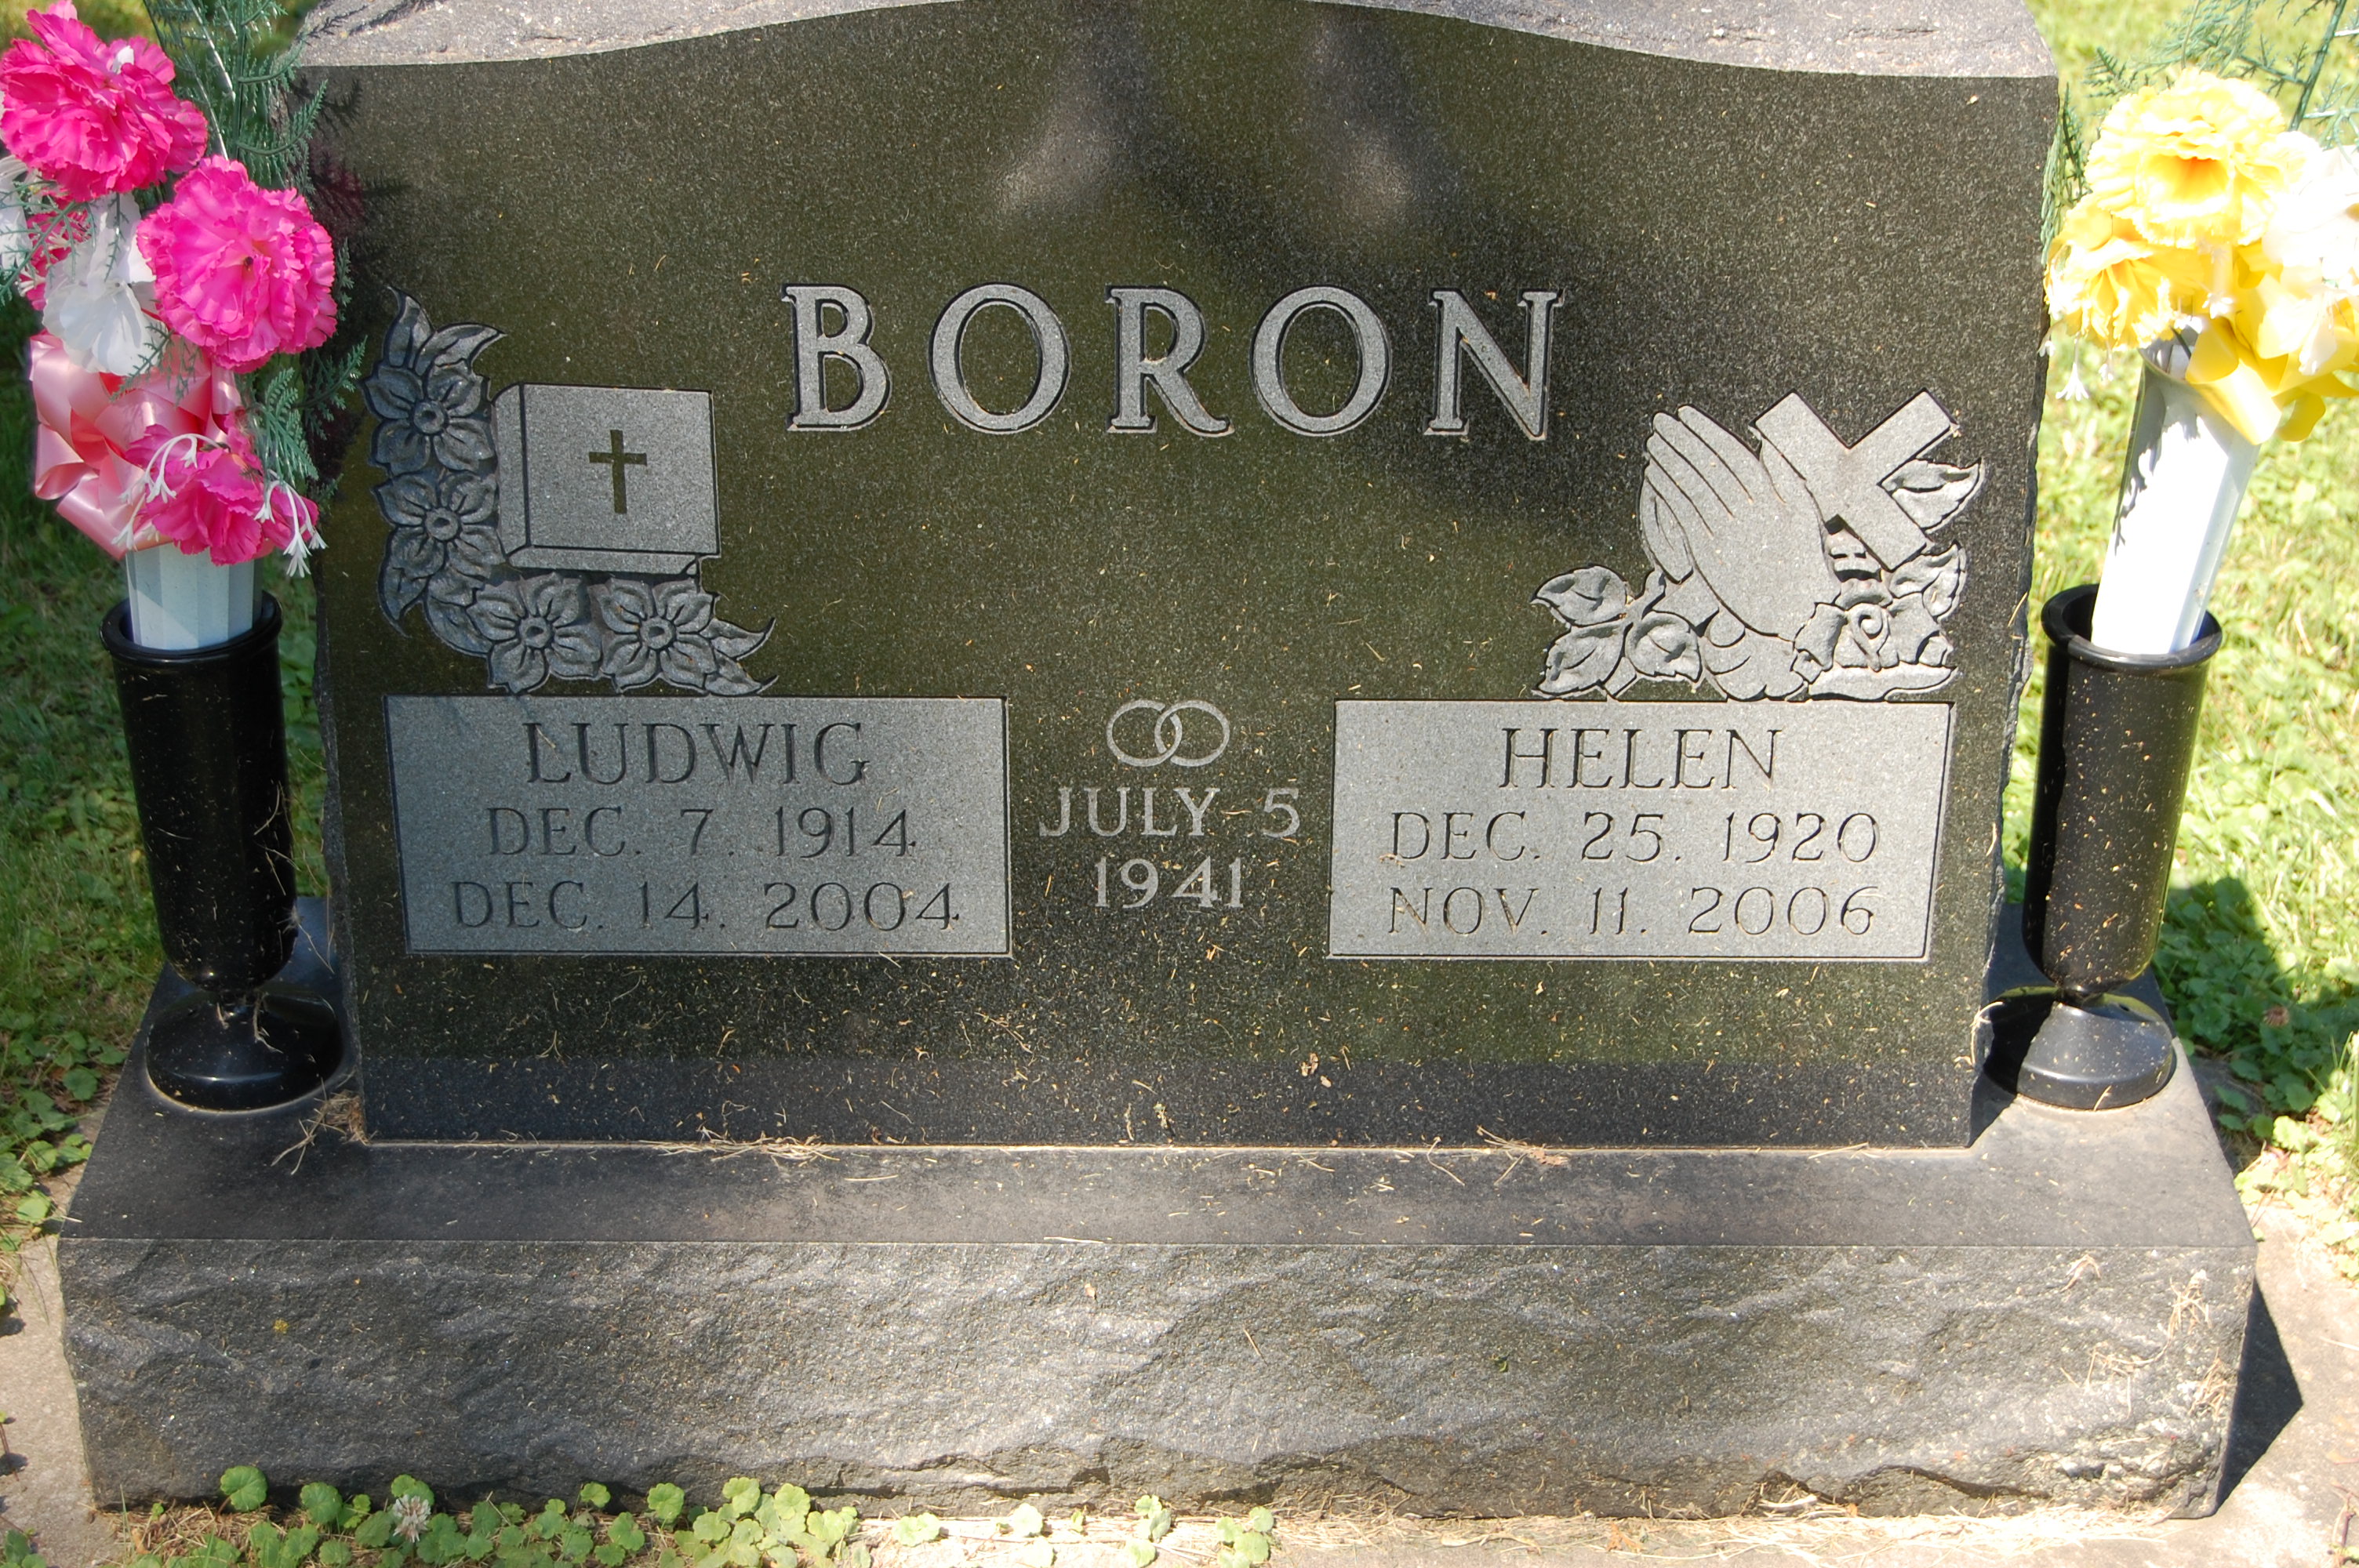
(237, 59)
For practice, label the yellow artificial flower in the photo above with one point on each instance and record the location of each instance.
(2109, 285)
(2265, 395)
(2308, 265)
(2197, 163)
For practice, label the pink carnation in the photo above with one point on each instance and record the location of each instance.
(241, 272)
(214, 498)
(92, 117)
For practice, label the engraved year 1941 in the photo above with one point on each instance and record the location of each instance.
(1651, 831)
(1179, 847)
(778, 826)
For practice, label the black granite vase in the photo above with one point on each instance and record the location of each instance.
(207, 739)
(2116, 740)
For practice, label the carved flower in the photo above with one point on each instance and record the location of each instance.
(659, 632)
(441, 521)
(1599, 647)
(1857, 635)
(1885, 624)
(1916, 636)
(535, 629)
(428, 398)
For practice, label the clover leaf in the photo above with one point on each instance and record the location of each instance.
(243, 1486)
(323, 1503)
(916, 1529)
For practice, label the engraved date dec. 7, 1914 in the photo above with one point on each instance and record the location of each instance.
(1650, 830)
(750, 825)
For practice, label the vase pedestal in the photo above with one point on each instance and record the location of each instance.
(2116, 742)
(206, 736)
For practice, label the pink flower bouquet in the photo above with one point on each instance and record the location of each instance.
(166, 279)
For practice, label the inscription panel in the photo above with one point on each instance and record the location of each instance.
(654, 824)
(1639, 830)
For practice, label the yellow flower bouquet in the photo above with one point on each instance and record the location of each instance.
(2223, 245)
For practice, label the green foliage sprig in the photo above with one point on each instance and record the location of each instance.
(237, 60)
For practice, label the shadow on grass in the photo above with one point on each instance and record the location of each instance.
(2282, 1033)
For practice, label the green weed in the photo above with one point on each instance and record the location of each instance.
(746, 1527)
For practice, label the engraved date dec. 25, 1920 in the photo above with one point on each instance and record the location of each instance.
(750, 825)
(1654, 830)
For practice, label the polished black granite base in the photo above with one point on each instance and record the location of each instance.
(2054, 1313)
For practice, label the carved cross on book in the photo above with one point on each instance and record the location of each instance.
(613, 479)
(620, 461)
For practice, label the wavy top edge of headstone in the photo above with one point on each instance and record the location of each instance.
(1864, 37)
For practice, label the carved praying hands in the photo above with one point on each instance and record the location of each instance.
(1744, 522)
(1811, 566)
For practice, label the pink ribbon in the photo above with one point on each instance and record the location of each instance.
(88, 421)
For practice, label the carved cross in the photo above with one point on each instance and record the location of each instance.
(1848, 481)
(619, 461)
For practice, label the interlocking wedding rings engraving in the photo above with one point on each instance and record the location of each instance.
(1170, 733)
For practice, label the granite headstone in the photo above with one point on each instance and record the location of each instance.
(1182, 572)
(1270, 615)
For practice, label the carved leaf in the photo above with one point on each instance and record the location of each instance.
(1582, 658)
(446, 599)
(731, 680)
(455, 348)
(1665, 647)
(409, 563)
(408, 333)
(1939, 575)
(1932, 493)
(735, 642)
(1585, 597)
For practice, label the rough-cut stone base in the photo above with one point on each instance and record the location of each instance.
(2054, 1313)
